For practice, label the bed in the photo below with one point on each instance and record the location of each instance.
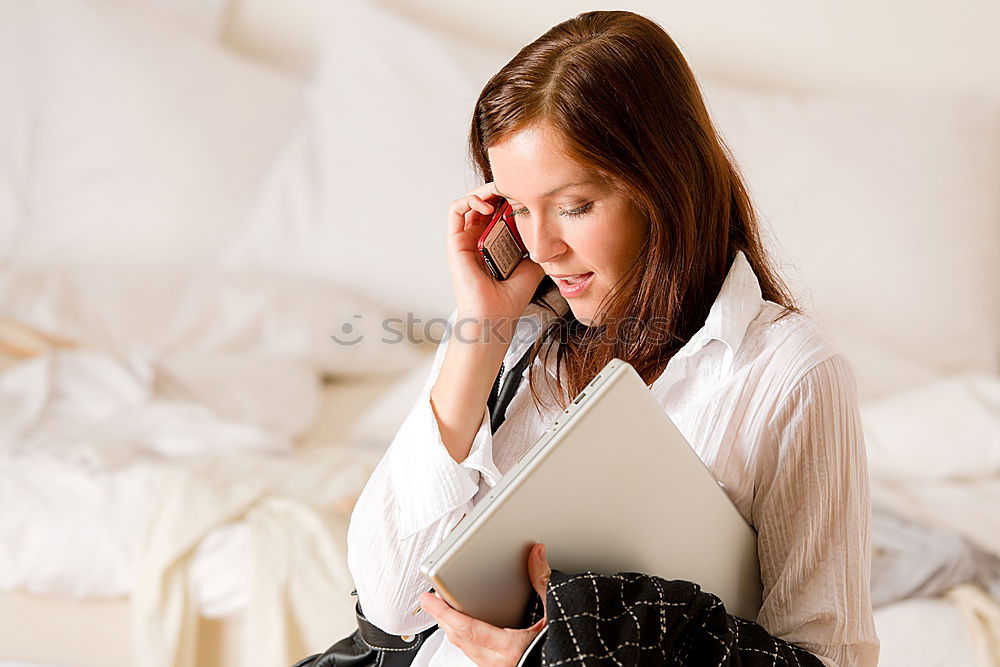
(97, 631)
(202, 354)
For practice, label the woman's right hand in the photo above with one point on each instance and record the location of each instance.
(477, 293)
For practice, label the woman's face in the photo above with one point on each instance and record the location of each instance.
(572, 224)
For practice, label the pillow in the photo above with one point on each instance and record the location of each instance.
(359, 196)
(127, 138)
(883, 211)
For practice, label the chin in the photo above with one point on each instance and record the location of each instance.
(583, 315)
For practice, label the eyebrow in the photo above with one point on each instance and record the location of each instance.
(559, 189)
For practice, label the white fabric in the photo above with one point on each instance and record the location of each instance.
(165, 312)
(982, 615)
(129, 154)
(82, 433)
(205, 18)
(769, 406)
(103, 512)
(960, 628)
(946, 428)
(200, 533)
(49, 504)
(298, 584)
(967, 506)
(377, 425)
(124, 138)
(359, 195)
(924, 632)
(880, 207)
(99, 411)
(185, 362)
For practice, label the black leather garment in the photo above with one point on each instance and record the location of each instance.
(371, 646)
(368, 646)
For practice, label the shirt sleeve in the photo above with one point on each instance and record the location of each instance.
(812, 512)
(413, 499)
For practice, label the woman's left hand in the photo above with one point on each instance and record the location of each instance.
(485, 644)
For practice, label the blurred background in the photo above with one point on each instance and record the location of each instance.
(222, 276)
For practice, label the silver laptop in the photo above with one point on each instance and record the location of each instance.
(611, 486)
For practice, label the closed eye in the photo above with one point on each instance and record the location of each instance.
(583, 210)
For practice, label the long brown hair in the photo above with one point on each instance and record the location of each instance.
(621, 94)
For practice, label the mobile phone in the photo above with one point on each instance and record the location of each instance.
(501, 245)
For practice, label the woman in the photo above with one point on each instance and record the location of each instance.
(632, 212)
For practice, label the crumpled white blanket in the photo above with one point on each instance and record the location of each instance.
(84, 434)
(981, 612)
(296, 511)
(934, 455)
(911, 559)
(100, 410)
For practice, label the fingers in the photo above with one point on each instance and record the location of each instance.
(462, 629)
(486, 190)
(460, 211)
(481, 642)
(482, 206)
(539, 571)
(467, 212)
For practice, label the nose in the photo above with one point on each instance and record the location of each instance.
(542, 239)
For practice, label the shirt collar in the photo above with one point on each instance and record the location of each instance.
(738, 303)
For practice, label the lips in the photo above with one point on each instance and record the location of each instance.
(573, 286)
(573, 280)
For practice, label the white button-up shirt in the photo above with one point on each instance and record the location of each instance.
(768, 405)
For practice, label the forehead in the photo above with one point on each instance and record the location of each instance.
(533, 161)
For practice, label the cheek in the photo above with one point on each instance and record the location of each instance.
(619, 258)
(631, 247)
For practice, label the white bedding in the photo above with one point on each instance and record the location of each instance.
(71, 533)
(933, 452)
(76, 536)
(100, 506)
(146, 149)
(96, 410)
(924, 632)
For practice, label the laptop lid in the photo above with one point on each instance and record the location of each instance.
(611, 486)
